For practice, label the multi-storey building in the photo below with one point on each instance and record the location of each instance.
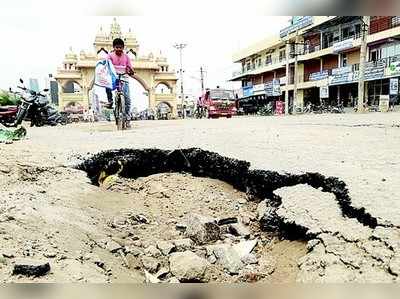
(327, 62)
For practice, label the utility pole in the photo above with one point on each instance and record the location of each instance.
(363, 55)
(287, 78)
(202, 79)
(180, 47)
(296, 43)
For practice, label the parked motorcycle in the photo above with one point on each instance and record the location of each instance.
(266, 110)
(35, 108)
(337, 109)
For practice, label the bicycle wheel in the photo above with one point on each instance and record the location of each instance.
(118, 112)
(123, 113)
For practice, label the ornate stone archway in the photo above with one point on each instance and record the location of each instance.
(150, 70)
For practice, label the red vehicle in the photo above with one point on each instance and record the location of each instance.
(215, 103)
(8, 115)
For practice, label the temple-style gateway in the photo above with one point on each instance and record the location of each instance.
(76, 75)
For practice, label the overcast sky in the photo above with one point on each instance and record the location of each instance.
(33, 47)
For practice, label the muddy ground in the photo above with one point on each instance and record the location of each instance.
(51, 212)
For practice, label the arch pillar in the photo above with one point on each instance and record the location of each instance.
(152, 99)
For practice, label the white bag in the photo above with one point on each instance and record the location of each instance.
(105, 75)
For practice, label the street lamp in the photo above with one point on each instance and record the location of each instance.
(180, 47)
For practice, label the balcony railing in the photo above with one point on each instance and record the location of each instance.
(328, 44)
(383, 23)
(311, 49)
(252, 67)
(317, 75)
(387, 61)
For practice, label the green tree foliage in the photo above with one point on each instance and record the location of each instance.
(8, 99)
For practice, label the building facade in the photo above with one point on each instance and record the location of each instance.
(76, 75)
(323, 62)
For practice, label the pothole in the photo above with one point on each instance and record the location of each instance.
(166, 202)
(215, 206)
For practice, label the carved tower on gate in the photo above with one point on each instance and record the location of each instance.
(76, 75)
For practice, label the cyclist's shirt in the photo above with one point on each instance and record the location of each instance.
(120, 62)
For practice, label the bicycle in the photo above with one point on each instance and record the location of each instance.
(121, 118)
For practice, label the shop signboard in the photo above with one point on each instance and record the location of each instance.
(341, 78)
(384, 103)
(394, 86)
(297, 24)
(283, 80)
(374, 70)
(342, 70)
(276, 88)
(343, 45)
(318, 76)
(258, 89)
(324, 92)
(273, 88)
(268, 89)
(247, 91)
(394, 68)
(279, 107)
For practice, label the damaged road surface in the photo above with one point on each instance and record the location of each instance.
(168, 227)
(345, 243)
(168, 216)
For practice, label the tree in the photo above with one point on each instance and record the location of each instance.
(8, 99)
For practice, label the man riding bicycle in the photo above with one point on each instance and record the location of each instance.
(122, 65)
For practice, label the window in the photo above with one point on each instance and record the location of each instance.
(358, 30)
(395, 21)
(336, 36)
(327, 39)
(374, 55)
(390, 51)
(344, 60)
(282, 55)
(346, 32)
(384, 53)
(397, 49)
(268, 59)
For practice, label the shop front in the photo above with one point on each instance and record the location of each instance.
(343, 84)
(273, 92)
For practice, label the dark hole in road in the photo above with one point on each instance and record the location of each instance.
(258, 184)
